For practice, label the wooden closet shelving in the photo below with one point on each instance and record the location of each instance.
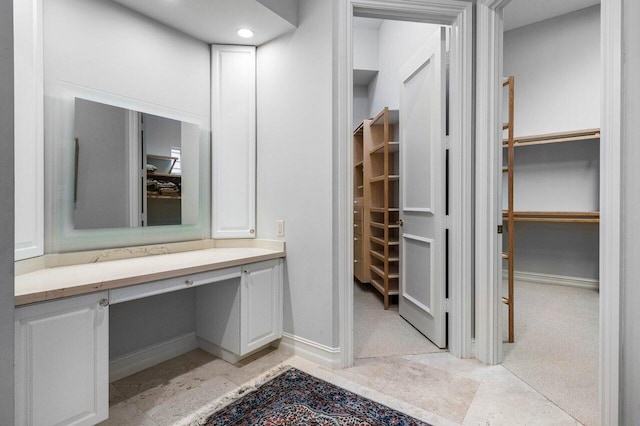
(360, 190)
(383, 210)
(555, 217)
(578, 135)
(509, 216)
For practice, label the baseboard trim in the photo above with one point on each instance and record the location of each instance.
(219, 352)
(538, 278)
(139, 360)
(312, 351)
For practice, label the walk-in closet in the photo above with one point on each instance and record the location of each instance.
(550, 187)
(399, 77)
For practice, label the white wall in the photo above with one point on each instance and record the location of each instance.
(365, 48)
(170, 315)
(360, 105)
(398, 41)
(113, 55)
(6, 213)
(113, 49)
(294, 172)
(557, 88)
(556, 68)
(630, 314)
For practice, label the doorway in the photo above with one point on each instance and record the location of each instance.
(400, 187)
(551, 208)
(458, 322)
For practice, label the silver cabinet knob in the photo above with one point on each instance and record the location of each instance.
(104, 302)
(188, 282)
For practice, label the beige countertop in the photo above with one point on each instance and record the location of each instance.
(43, 282)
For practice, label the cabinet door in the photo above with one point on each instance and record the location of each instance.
(62, 362)
(233, 123)
(261, 305)
(29, 129)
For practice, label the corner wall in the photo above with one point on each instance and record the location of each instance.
(557, 88)
(6, 214)
(294, 166)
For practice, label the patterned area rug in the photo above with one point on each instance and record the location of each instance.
(296, 398)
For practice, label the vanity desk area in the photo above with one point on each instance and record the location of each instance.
(135, 226)
(62, 315)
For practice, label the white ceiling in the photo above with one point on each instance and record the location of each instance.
(519, 13)
(216, 21)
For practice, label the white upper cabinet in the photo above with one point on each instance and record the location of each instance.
(29, 134)
(233, 123)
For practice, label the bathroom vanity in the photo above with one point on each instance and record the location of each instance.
(62, 315)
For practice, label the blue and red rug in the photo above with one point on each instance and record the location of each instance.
(296, 398)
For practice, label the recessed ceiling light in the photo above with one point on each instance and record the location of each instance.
(245, 32)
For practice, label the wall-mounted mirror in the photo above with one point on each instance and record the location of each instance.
(152, 84)
(132, 169)
(122, 172)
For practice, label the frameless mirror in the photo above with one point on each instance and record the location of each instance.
(133, 169)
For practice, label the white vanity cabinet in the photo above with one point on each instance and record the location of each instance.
(62, 361)
(234, 320)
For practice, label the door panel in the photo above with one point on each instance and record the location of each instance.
(418, 97)
(417, 272)
(423, 190)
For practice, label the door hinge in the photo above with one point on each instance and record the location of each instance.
(446, 222)
(446, 305)
(447, 58)
(500, 229)
(446, 141)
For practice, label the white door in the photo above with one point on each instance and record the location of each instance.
(423, 190)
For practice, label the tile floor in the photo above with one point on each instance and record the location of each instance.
(436, 388)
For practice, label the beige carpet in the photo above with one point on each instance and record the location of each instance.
(380, 333)
(556, 346)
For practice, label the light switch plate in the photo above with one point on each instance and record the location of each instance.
(280, 228)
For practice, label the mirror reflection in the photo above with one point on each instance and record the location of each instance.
(133, 169)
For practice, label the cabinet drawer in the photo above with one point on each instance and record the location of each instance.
(139, 291)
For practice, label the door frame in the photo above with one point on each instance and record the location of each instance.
(611, 27)
(488, 69)
(459, 15)
(488, 117)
